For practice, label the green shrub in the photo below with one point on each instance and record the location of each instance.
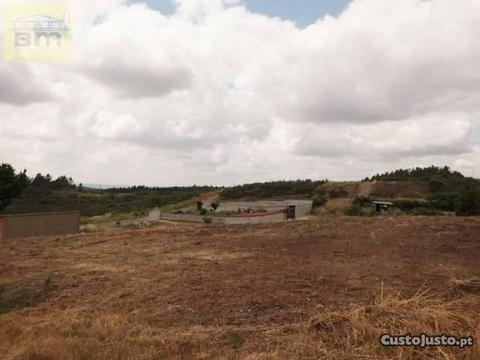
(436, 183)
(444, 201)
(302, 188)
(468, 201)
(355, 210)
(362, 201)
(207, 220)
(319, 201)
(410, 205)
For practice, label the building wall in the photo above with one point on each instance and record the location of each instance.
(47, 224)
(302, 208)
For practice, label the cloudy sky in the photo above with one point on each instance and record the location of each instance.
(227, 92)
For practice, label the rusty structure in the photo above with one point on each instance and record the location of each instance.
(41, 224)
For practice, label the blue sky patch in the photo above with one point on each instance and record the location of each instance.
(302, 12)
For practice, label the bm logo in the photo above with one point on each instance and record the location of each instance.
(42, 35)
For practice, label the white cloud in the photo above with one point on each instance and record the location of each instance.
(216, 94)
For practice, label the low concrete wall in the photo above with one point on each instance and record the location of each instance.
(189, 218)
(246, 220)
(46, 224)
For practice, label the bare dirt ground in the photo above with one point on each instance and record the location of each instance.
(324, 288)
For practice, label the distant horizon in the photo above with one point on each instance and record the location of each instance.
(100, 186)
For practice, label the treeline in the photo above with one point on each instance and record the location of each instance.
(298, 188)
(95, 202)
(42, 193)
(418, 173)
(173, 189)
(12, 184)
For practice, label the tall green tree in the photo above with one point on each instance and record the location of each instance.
(12, 185)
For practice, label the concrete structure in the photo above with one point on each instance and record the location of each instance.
(154, 215)
(295, 208)
(381, 206)
(244, 212)
(43, 224)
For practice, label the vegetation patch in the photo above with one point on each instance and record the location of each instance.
(19, 296)
(298, 188)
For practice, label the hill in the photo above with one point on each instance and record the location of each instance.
(432, 190)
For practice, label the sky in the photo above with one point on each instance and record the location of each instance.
(224, 92)
(301, 12)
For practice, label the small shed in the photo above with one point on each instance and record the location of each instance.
(291, 212)
(380, 207)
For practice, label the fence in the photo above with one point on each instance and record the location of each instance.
(43, 224)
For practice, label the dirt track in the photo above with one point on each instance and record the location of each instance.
(193, 291)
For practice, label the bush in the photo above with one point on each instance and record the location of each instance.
(207, 220)
(410, 205)
(203, 211)
(319, 201)
(355, 210)
(444, 201)
(303, 188)
(336, 193)
(436, 183)
(468, 201)
(362, 201)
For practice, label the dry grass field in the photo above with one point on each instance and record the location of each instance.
(325, 288)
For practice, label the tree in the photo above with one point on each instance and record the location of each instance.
(12, 185)
(41, 181)
(199, 205)
(62, 183)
